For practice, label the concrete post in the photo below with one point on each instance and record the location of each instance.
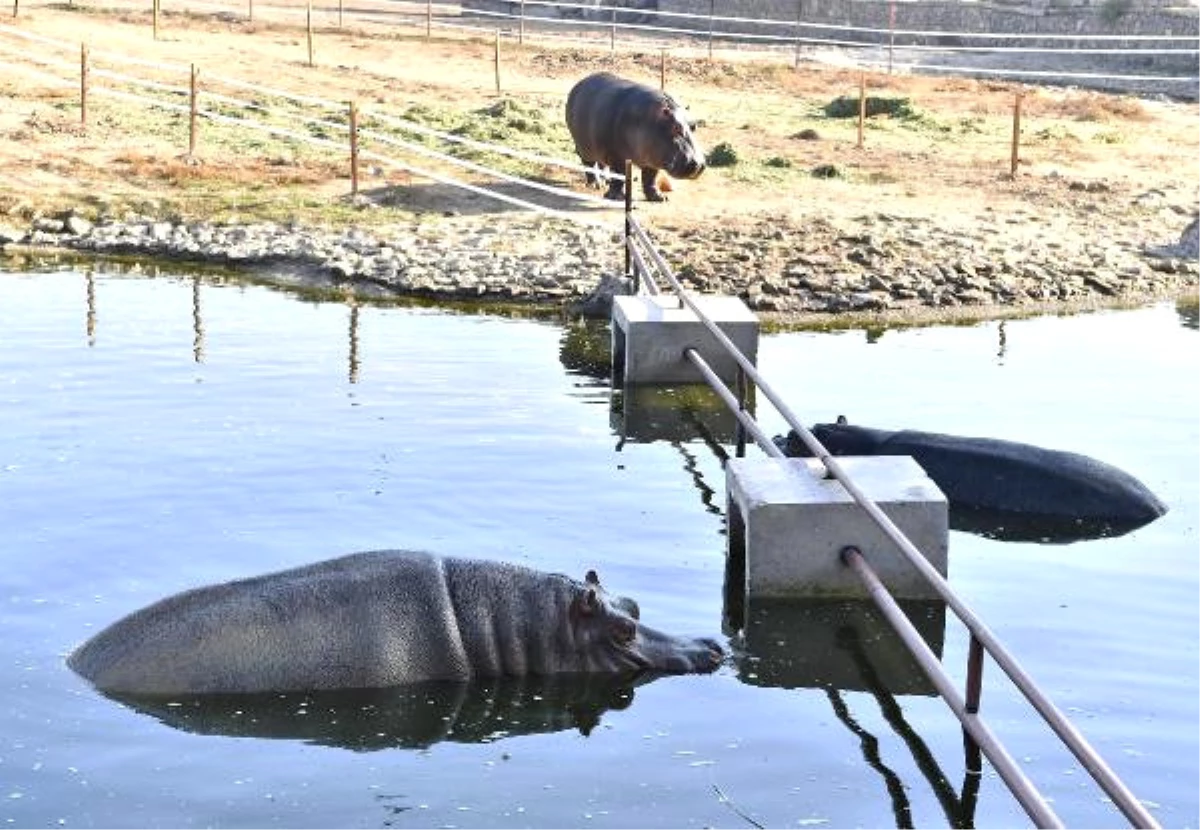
(790, 524)
(650, 334)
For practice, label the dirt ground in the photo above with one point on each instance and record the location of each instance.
(1089, 162)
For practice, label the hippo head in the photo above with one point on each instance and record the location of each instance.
(673, 144)
(609, 637)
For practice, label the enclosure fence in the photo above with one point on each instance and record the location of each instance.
(645, 266)
(594, 23)
(306, 120)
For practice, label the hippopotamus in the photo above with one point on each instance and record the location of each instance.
(1006, 489)
(614, 120)
(376, 619)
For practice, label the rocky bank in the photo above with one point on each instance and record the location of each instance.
(878, 265)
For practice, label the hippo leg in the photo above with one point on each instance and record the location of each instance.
(650, 186)
(592, 175)
(616, 190)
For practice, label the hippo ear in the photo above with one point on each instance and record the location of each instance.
(589, 602)
(841, 419)
(591, 578)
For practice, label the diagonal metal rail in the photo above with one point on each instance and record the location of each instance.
(982, 639)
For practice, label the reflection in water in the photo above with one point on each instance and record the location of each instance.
(586, 348)
(91, 307)
(1003, 338)
(353, 351)
(846, 645)
(1189, 312)
(416, 716)
(959, 809)
(682, 412)
(197, 323)
(798, 644)
(692, 468)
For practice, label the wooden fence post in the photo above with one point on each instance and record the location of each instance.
(428, 19)
(250, 13)
(341, 3)
(154, 13)
(521, 30)
(1016, 134)
(662, 69)
(193, 107)
(16, 5)
(308, 26)
(497, 61)
(862, 106)
(83, 84)
(612, 32)
(353, 148)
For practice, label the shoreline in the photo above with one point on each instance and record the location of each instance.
(885, 270)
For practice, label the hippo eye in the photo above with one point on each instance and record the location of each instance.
(624, 632)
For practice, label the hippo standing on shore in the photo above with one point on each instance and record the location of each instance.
(377, 619)
(614, 120)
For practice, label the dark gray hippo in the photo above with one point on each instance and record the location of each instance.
(614, 120)
(1006, 489)
(376, 619)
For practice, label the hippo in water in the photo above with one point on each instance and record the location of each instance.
(614, 120)
(376, 619)
(1006, 486)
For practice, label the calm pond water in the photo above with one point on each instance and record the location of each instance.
(161, 433)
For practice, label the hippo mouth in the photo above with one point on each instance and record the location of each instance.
(698, 656)
(684, 165)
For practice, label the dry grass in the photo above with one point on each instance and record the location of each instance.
(947, 159)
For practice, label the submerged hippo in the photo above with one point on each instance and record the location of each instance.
(987, 480)
(377, 619)
(614, 120)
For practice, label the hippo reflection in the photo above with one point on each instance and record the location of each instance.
(414, 716)
(382, 618)
(1004, 489)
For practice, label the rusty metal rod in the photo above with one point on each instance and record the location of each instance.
(1033, 802)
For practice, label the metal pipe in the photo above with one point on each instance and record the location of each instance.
(1096, 767)
(744, 417)
(642, 278)
(1033, 802)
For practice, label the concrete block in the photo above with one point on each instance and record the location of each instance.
(650, 335)
(790, 524)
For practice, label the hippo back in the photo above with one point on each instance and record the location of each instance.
(364, 620)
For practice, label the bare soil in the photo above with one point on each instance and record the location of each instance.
(1093, 167)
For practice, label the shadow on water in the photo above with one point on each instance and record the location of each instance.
(406, 717)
